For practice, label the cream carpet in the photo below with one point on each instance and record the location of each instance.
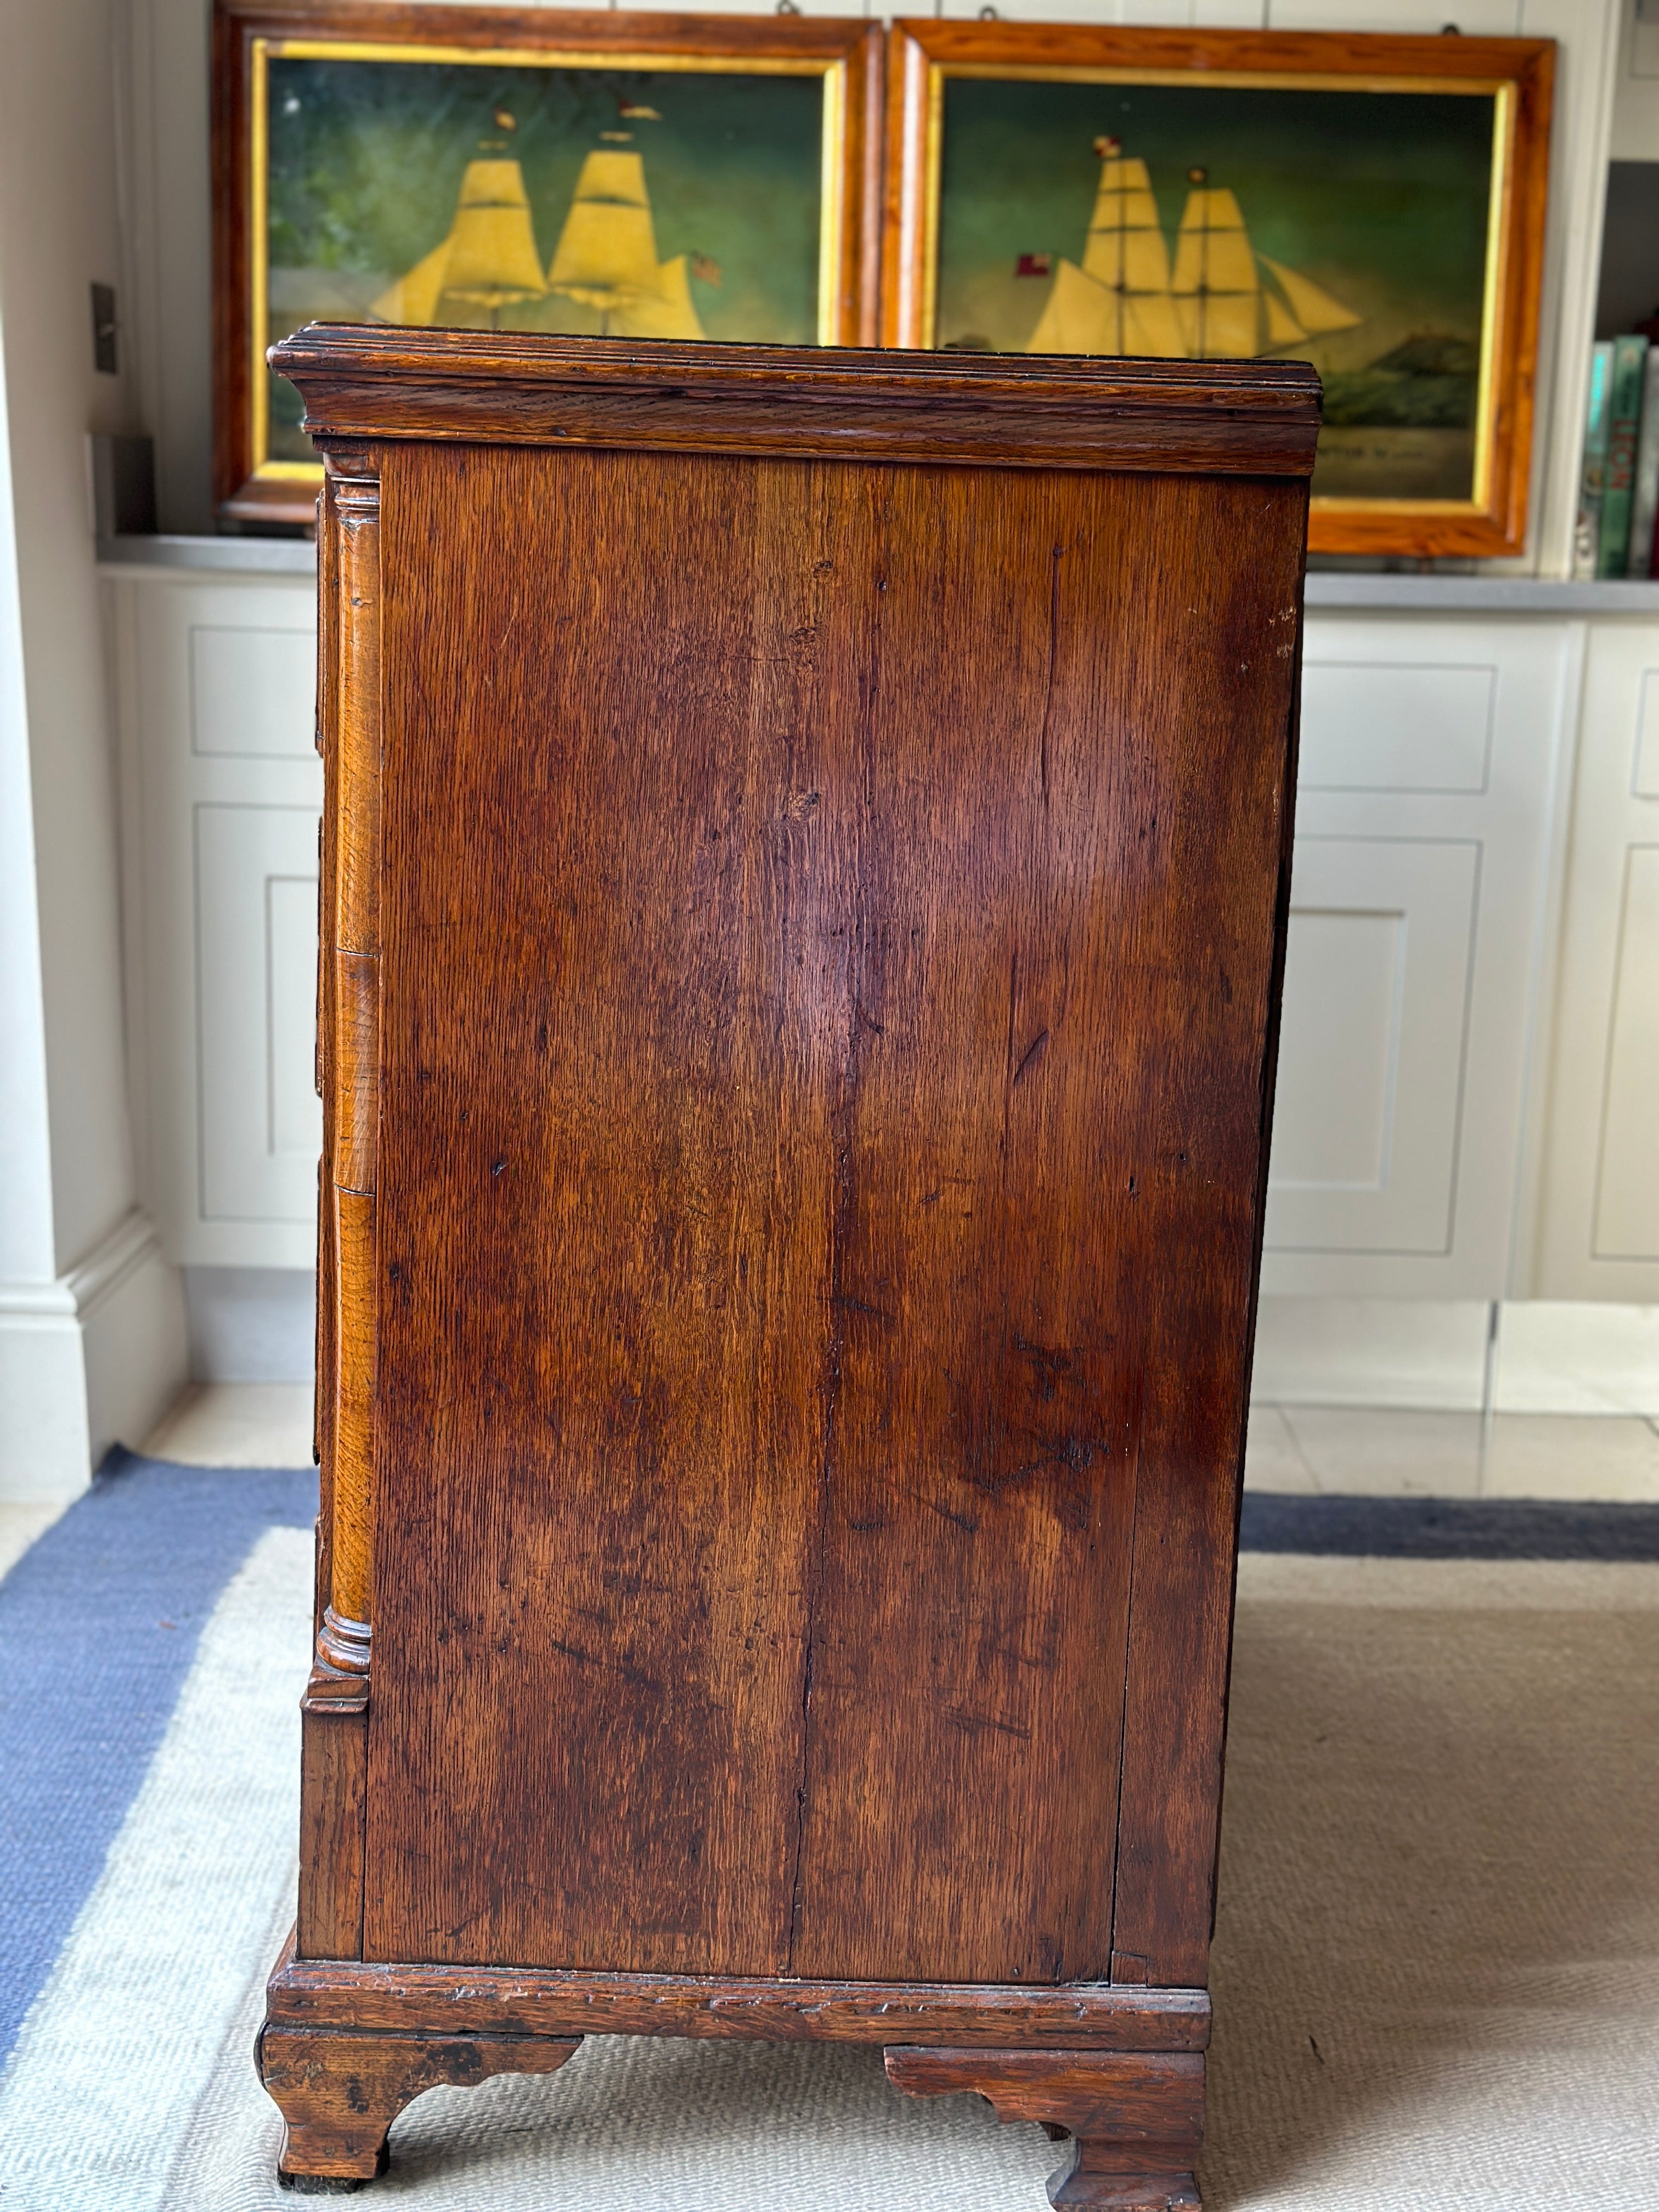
(1436, 1973)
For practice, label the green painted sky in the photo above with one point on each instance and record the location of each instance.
(1380, 196)
(367, 158)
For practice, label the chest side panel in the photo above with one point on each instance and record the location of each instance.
(828, 922)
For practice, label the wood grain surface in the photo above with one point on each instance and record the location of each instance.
(310, 1992)
(828, 931)
(1136, 2121)
(1148, 2097)
(333, 1796)
(808, 881)
(338, 2093)
(1252, 418)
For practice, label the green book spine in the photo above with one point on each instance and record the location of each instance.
(1630, 361)
(1644, 508)
(1587, 535)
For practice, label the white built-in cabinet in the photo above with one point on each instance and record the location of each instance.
(1431, 753)
(222, 796)
(1470, 1059)
(1598, 1217)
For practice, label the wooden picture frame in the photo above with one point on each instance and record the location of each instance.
(256, 480)
(1454, 410)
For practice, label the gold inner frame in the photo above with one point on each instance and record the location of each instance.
(832, 212)
(1500, 91)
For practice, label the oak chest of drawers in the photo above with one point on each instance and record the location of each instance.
(805, 863)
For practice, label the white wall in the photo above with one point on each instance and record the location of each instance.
(78, 1277)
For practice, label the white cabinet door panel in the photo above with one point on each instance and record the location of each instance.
(251, 690)
(1644, 776)
(262, 1126)
(222, 794)
(1408, 726)
(1598, 1212)
(1371, 1057)
(1431, 747)
(1627, 1171)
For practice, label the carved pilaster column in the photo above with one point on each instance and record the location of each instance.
(336, 1708)
(344, 1642)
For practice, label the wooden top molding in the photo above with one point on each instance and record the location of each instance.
(1334, 52)
(1227, 418)
(619, 30)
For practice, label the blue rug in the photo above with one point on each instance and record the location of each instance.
(99, 1623)
(1447, 1529)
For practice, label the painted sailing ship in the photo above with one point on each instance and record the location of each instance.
(1219, 298)
(488, 260)
(606, 260)
(606, 256)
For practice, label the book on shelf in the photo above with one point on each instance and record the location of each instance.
(1644, 503)
(1630, 356)
(1587, 536)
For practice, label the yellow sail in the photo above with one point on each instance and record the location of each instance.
(1214, 303)
(1221, 325)
(488, 261)
(1152, 325)
(1215, 284)
(1212, 248)
(1283, 328)
(414, 298)
(606, 256)
(1118, 301)
(1318, 311)
(1078, 316)
(608, 248)
(492, 247)
(1126, 245)
(665, 313)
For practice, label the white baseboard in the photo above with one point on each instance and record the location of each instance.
(1444, 1355)
(1429, 1354)
(88, 1359)
(251, 1324)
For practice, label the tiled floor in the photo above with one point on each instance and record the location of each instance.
(1352, 1450)
(236, 1425)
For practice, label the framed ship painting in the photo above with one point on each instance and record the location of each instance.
(1372, 204)
(640, 176)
